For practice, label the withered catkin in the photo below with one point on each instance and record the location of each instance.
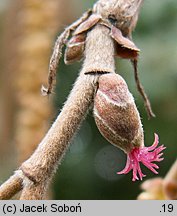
(119, 122)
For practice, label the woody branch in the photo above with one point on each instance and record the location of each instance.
(39, 168)
(36, 173)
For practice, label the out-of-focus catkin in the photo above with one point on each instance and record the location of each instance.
(38, 22)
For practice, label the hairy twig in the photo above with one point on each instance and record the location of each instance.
(141, 90)
(42, 164)
(12, 186)
(99, 42)
(40, 167)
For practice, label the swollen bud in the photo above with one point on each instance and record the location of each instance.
(116, 114)
(118, 120)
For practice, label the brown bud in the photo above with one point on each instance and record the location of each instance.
(89, 23)
(75, 48)
(116, 115)
(125, 48)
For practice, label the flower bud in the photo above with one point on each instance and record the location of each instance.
(118, 120)
(116, 114)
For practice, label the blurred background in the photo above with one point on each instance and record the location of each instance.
(28, 29)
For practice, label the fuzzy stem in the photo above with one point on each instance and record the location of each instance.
(33, 191)
(40, 167)
(100, 51)
(12, 186)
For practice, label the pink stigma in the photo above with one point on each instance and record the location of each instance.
(145, 155)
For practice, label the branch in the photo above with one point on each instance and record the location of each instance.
(99, 52)
(12, 186)
(40, 167)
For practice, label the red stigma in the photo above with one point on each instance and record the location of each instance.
(145, 155)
